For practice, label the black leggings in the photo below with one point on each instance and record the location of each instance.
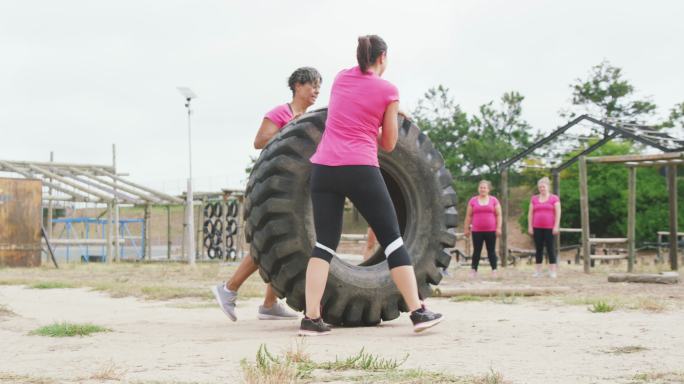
(544, 237)
(365, 187)
(488, 238)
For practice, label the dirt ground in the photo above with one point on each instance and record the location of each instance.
(185, 338)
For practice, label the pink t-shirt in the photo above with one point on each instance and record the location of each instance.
(484, 216)
(544, 214)
(280, 115)
(357, 106)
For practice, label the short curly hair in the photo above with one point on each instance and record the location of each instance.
(304, 75)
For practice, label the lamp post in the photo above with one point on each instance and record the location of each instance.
(189, 234)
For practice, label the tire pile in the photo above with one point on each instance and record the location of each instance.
(220, 229)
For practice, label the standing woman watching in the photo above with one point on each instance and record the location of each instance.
(484, 213)
(305, 83)
(543, 222)
(346, 165)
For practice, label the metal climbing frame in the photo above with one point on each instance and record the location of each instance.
(88, 183)
(95, 235)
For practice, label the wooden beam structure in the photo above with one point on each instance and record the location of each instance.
(584, 212)
(660, 158)
(631, 217)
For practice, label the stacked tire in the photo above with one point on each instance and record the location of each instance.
(220, 223)
(279, 223)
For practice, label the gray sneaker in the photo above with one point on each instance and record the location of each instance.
(277, 312)
(226, 300)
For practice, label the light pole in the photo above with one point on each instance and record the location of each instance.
(189, 234)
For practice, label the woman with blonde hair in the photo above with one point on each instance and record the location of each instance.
(484, 214)
(543, 222)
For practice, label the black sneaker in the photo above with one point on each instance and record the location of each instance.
(423, 319)
(311, 327)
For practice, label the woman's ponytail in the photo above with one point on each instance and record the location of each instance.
(369, 49)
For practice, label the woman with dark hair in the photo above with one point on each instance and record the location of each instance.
(305, 84)
(345, 165)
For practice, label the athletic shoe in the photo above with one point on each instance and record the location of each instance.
(537, 274)
(226, 300)
(495, 274)
(424, 318)
(472, 274)
(553, 274)
(311, 327)
(277, 312)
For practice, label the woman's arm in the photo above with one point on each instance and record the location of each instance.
(266, 132)
(390, 127)
(498, 219)
(468, 219)
(556, 225)
(530, 215)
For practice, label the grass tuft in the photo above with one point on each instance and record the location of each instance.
(627, 349)
(601, 307)
(109, 371)
(466, 298)
(296, 366)
(65, 329)
(51, 285)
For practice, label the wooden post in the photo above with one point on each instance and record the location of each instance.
(556, 191)
(168, 231)
(110, 229)
(503, 241)
(584, 211)
(147, 252)
(117, 248)
(631, 217)
(49, 212)
(672, 186)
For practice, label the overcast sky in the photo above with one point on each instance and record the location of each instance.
(77, 76)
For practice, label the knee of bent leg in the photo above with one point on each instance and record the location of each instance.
(323, 252)
(396, 254)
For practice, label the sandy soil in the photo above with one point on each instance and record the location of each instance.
(526, 340)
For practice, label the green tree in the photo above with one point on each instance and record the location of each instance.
(675, 120)
(496, 135)
(607, 95)
(447, 126)
(476, 145)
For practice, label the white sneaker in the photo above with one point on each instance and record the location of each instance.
(552, 274)
(536, 274)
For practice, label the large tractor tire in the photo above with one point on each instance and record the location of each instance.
(279, 223)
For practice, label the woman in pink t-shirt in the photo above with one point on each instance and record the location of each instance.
(543, 222)
(304, 83)
(484, 214)
(345, 165)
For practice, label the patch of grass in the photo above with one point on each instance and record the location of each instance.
(23, 379)
(109, 371)
(51, 285)
(601, 307)
(648, 304)
(466, 298)
(658, 378)
(362, 361)
(65, 329)
(626, 349)
(296, 366)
